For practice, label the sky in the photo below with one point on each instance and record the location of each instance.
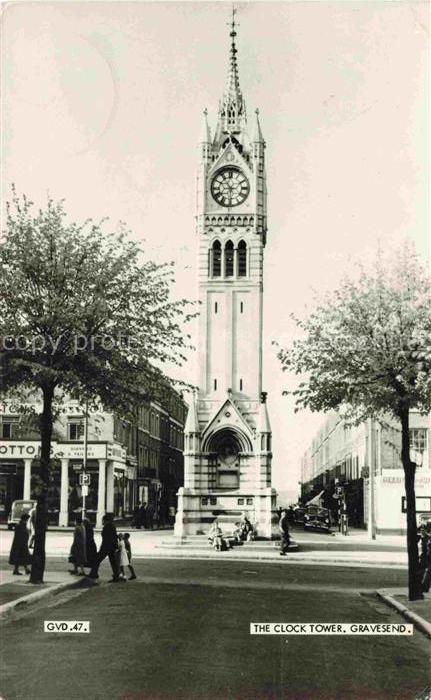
(102, 106)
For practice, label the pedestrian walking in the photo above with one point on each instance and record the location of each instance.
(129, 555)
(150, 516)
(425, 557)
(136, 519)
(143, 515)
(19, 551)
(91, 549)
(31, 526)
(284, 533)
(108, 548)
(78, 550)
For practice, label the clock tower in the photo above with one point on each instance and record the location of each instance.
(227, 451)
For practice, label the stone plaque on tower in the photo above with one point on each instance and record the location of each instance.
(227, 450)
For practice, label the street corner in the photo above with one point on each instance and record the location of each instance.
(418, 612)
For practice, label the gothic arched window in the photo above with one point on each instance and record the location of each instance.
(242, 259)
(228, 259)
(216, 251)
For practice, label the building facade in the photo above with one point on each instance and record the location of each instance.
(344, 454)
(228, 434)
(127, 462)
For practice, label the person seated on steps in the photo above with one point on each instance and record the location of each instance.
(216, 537)
(247, 529)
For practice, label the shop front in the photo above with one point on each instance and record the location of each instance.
(390, 500)
(105, 465)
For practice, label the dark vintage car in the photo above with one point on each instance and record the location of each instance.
(298, 514)
(18, 508)
(316, 518)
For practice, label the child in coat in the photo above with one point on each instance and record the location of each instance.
(122, 557)
(128, 548)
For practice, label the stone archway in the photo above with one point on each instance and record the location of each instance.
(227, 440)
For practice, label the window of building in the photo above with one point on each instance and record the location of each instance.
(418, 439)
(241, 307)
(75, 430)
(240, 384)
(228, 259)
(204, 501)
(8, 426)
(242, 259)
(215, 307)
(215, 384)
(6, 430)
(216, 262)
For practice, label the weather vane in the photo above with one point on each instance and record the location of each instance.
(232, 22)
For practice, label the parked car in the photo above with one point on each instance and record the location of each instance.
(18, 509)
(298, 514)
(316, 518)
(423, 519)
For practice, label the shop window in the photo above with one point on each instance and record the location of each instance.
(242, 259)
(228, 259)
(216, 255)
(75, 431)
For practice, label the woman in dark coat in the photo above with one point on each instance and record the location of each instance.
(78, 550)
(19, 552)
(90, 543)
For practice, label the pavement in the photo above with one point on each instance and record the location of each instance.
(16, 592)
(418, 612)
(354, 549)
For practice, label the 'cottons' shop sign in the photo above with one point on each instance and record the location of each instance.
(31, 449)
(20, 450)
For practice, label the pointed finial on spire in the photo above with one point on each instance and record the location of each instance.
(205, 131)
(257, 134)
(192, 423)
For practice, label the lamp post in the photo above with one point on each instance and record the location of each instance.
(371, 468)
(84, 485)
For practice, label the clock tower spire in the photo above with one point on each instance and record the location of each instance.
(227, 456)
(232, 112)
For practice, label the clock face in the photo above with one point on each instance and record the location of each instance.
(230, 187)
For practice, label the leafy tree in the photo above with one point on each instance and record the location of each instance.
(366, 349)
(82, 313)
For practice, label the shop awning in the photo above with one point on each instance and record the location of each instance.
(316, 501)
